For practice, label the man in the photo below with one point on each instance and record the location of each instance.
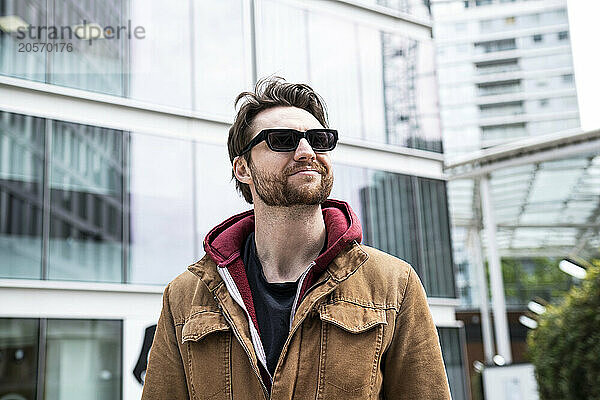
(287, 303)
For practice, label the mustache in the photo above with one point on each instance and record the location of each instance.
(315, 165)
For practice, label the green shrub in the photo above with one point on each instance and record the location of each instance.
(565, 347)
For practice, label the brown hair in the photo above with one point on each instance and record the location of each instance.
(272, 91)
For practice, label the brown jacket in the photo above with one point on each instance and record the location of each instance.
(362, 330)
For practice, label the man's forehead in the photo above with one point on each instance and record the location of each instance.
(285, 117)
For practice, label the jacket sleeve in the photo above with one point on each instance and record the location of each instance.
(165, 375)
(413, 365)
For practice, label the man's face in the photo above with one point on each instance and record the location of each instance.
(281, 178)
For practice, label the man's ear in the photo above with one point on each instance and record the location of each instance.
(241, 170)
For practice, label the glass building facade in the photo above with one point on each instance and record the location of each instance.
(114, 170)
(60, 359)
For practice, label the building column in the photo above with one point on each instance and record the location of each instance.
(474, 248)
(496, 283)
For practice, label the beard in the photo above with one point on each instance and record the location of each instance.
(275, 190)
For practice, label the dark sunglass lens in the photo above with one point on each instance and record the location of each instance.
(321, 140)
(282, 140)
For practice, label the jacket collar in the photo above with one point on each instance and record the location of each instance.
(224, 242)
(341, 267)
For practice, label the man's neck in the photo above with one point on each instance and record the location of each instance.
(288, 239)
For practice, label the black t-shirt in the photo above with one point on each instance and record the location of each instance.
(272, 303)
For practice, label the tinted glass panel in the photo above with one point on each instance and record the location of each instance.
(411, 106)
(86, 223)
(220, 64)
(21, 195)
(216, 197)
(453, 359)
(154, 56)
(96, 61)
(18, 358)
(161, 235)
(406, 216)
(435, 237)
(83, 360)
(16, 55)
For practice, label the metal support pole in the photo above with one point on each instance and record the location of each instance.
(474, 246)
(497, 286)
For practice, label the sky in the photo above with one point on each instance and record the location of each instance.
(585, 43)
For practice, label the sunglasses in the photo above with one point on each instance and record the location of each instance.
(282, 139)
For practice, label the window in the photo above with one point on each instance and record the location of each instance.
(410, 120)
(452, 353)
(86, 203)
(567, 78)
(482, 2)
(495, 67)
(27, 65)
(496, 45)
(537, 38)
(509, 20)
(543, 102)
(220, 69)
(564, 35)
(81, 358)
(503, 132)
(486, 25)
(21, 195)
(161, 238)
(96, 65)
(495, 88)
(501, 109)
(460, 26)
(406, 216)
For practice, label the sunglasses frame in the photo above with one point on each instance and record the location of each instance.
(264, 135)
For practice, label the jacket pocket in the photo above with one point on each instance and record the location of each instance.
(351, 341)
(206, 337)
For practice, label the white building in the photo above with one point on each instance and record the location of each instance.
(505, 71)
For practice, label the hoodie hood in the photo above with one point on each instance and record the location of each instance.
(225, 241)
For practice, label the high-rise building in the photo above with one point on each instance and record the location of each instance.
(505, 74)
(505, 71)
(113, 163)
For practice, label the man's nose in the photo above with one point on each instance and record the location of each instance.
(304, 151)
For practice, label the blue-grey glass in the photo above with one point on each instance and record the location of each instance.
(384, 202)
(221, 55)
(434, 228)
(21, 195)
(18, 358)
(96, 61)
(20, 23)
(452, 353)
(336, 76)
(216, 198)
(86, 206)
(411, 106)
(406, 216)
(162, 56)
(282, 24)
(83, 360)
(161, 238)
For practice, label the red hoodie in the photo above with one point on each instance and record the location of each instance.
(224, 245)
